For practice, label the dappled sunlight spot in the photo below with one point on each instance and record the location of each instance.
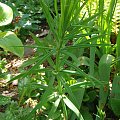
(14, 64)
(28, 23)
(10, 93)
(31, 103)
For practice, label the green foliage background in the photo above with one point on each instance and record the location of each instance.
(75, 65)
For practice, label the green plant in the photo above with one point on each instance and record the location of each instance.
(71, 71)
(115, 94)
(14, 112)
(8, 40)
(26, 17)
(3, 70)
(63, 85)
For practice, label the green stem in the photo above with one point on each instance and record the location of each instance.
(92, 58)
(21, 97)
(64, 110)
(57, 60)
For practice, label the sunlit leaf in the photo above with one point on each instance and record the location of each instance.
(6, 14)
(10, 42)
(72, 107)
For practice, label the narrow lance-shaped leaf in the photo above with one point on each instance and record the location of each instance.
(69, 91)
(108, 21)
(43, 100)
(54, 108)
(72, 107)
(49, 18)
(39, 62)
(82, 73)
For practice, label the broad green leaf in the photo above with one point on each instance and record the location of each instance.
(115, 103)
(6, 14)
(115, 95)
(10, 42)
(86, 114)
(116, 87)
(104, 73)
